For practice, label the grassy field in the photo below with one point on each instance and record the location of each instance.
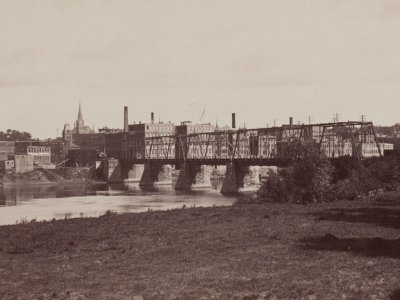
(343, 250)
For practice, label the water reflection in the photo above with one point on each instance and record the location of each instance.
(45, 202)
(14, 195)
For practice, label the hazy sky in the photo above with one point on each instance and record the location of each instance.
(263, 59)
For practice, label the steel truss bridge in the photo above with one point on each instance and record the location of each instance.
(261, 146)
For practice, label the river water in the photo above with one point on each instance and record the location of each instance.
(45, 202)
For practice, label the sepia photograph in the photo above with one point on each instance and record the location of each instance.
(199, 149)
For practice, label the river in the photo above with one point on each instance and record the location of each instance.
(45, 202)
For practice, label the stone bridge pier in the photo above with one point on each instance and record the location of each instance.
(193, 177)
(111, 170)
(240, 178)
(132, 173)
(156, 174)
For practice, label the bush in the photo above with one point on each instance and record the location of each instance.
(343, 167)
(386, 171)
(312, 178)
(307, 180)
(359, 183)
(275, 188)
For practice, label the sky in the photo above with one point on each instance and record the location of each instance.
(265, 60)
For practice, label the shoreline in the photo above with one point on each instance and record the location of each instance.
(62, 182)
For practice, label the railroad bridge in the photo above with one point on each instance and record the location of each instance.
(238, 149)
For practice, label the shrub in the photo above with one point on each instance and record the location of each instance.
(275, 188)
(343, 167)
(307, 180)
(313, 178)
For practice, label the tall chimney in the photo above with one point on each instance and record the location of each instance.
(291, 121)
(152, 118)
(233, 120)
(126, 122)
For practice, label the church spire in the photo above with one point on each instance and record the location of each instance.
(80, 118)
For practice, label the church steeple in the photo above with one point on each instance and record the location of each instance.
(80, 118)
(80, 124)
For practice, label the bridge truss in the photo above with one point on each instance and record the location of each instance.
(260, 146)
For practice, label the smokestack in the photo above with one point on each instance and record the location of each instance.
(152, 118)
(126, 122)
(291, 121)
(233, 120)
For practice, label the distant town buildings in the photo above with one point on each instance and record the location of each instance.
(372, 150)
(152, 129)
(82, 146)
(134, 144)
(188, 127)
(24, 156)
(107, 130)
(41, 156)
(200, 146)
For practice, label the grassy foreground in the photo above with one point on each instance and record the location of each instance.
(346, 250)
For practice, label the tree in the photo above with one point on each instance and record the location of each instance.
(15, 135)
(307, 180)
(311, 172)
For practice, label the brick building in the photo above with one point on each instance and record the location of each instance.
(58, 148)
(41, 156)
(90, 141)
(134, 146)
(200, 146)
(113, 144)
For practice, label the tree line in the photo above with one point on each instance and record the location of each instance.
(15, 135)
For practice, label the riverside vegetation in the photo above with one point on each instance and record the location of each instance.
(271, 248)
(314, 178)
(43, 176)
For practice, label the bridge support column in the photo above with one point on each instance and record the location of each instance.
(156, 174)
(112, 170)
(193, 177)
(234, 178)
(134, 173)
(185, 178)
(202, 179)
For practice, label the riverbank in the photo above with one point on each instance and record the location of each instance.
(46, 177)
(343, 250)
